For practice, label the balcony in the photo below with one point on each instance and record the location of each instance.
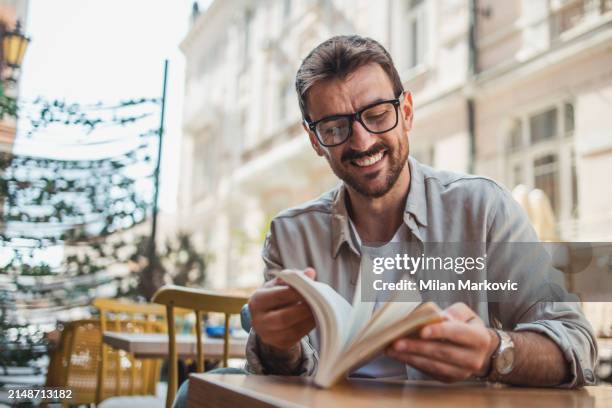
(567, 16)
(512, 34)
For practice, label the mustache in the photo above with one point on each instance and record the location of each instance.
(354, 154)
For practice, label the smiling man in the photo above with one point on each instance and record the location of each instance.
(358, 117)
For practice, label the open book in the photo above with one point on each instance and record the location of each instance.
(347, 338)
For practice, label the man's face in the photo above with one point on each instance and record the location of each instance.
(368, 163)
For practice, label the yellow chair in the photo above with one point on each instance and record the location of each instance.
(119, 373)
(199, 301)
(73, 362)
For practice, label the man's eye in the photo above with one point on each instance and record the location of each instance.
(332, 131)
(376, 116)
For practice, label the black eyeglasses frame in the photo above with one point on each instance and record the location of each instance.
(356, 116)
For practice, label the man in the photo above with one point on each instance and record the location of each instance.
(358, 118)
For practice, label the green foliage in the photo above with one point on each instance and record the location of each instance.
(178, 261)
(8, 106)
(20, 344)
(87, 207)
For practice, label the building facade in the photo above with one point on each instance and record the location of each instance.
(520, 91)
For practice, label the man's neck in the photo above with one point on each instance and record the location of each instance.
(377, 219)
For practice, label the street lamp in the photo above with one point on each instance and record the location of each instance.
(14, 45)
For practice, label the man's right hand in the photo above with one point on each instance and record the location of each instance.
(279, 315)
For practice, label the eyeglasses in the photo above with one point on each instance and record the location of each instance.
(379, 117)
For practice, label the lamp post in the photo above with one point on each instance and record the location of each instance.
(151, 277)
(14, 46)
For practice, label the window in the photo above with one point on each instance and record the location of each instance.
(539, 153)
(574, 205)
(546, 178)
(416, 32)
(568, 118)
(515, 137)
(543, 126)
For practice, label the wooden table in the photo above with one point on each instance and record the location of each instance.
(225, 390)
(155, 345)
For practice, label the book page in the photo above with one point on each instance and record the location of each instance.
(387, 315)
(368, 346)
(330, 309)
(360, 316)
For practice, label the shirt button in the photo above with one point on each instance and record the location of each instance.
(588, 375)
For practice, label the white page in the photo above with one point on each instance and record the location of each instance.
(360, 316)
(330, 309)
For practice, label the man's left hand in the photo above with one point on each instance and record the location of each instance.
(453, 350)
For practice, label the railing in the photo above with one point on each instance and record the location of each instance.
(538, 29)
(566, 15)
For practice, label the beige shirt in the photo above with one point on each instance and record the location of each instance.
(441, 207)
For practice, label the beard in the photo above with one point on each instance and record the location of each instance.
(397, 158)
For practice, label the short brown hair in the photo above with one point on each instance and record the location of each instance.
(338, 57)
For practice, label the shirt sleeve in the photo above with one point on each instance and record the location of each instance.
(538, 308)
(300, 360)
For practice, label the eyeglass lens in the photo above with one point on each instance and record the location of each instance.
(377, 119)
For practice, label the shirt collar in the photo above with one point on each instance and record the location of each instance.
(340, 222)
(416, 205)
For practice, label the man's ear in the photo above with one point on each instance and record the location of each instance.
(314, 142)
(407, 111)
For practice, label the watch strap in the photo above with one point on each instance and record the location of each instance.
(505, 342)
(486, 376)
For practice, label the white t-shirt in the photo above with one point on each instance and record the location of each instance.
(381, 366)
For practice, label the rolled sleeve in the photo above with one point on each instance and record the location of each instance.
(300, 361)
(532, 309)
(261, 359)
(565, 325)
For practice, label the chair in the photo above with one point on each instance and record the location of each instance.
(119, 373)
(199, 301)
(74, 361)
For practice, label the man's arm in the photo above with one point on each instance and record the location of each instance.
(540, 307)
(554, 343)
(461, 347)
(281, 320)
(532, 352)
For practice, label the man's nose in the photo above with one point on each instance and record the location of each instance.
(361, 139)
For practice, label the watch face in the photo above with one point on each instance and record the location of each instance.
(505, 361)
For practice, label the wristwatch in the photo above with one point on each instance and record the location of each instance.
(502, 360)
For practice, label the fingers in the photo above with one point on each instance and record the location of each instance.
(279, 314)
(311, 273)
(274, 282)
(460, 357)
(460, 333)
(436, 369)
(286, 336)
(451, 350)
(286, 317)
(273, 298)
(460, 311)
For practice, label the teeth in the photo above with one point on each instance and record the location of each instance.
(369, 160)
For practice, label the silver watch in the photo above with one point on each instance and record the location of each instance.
(502, 361)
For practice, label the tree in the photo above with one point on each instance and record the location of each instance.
(85, 206)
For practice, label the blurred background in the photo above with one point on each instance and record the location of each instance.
(519, 91)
